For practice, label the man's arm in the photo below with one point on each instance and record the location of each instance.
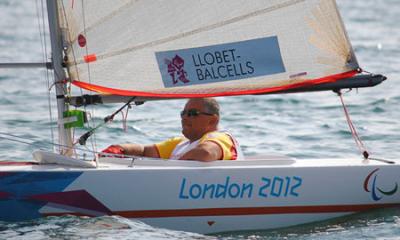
(206, 151)
(140, 150)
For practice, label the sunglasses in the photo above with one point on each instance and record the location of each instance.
(193, 113)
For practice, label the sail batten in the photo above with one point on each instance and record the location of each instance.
(208, 48)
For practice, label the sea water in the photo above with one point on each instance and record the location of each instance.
(310, 125)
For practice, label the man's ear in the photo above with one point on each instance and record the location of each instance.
(214, 120)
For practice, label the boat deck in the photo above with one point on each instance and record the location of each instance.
(149, 163)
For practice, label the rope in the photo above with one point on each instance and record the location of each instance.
(353, 130)
(70, 41)
(68, 35)
(42, 33)
(42, 146)
(91, 123)
(93, 140)
(124, 118)
(82, 140)
(87, 42)
(18, 139)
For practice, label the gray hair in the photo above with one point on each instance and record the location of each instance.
(211, 105)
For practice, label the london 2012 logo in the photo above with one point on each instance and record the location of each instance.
(176, 69)
(371, 185)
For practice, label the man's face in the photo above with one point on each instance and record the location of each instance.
(194, 127)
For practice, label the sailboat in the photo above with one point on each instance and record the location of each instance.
(131, 52)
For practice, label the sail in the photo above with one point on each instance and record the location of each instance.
(197, 48)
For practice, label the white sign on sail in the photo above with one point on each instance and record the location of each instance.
(204, 48)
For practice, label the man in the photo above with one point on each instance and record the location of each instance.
(202, 141)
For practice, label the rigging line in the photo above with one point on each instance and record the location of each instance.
(196, 31)
(124, 119)
(93, 140)
(67, 87)
(70, 43)
(24, 142)
(87, 64)
(382, 160)
(38, 15)
(70, 49)
(82, 140)
(42, 145)
(87, 43)
(39, 146)
(18, 139)
(42, 28)
(353, 130)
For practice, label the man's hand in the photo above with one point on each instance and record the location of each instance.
(133, 149)
(113, 149)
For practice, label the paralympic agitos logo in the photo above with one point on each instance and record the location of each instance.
(372, 186)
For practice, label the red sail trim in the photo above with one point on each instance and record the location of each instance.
(106, 90)
(7, 163)
(240, 211)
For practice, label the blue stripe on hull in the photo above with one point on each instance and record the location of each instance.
(18, 187)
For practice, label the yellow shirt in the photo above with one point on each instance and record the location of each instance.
(223, 140)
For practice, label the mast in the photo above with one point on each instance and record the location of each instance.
(64, 135)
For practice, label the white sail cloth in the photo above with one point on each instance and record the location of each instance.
(203, 48)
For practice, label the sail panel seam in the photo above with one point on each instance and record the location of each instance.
(195, 31)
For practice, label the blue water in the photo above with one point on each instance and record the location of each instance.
(308, 125)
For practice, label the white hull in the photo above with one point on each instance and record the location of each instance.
(201, 197)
